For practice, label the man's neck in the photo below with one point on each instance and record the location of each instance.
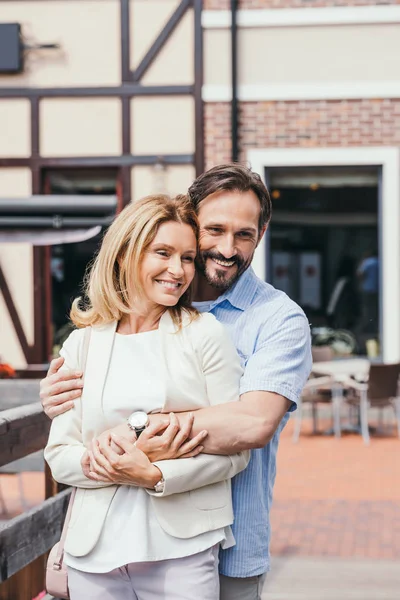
(203, 291)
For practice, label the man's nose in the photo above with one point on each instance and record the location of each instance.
(226, 247)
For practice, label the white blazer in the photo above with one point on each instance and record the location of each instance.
(200, 367)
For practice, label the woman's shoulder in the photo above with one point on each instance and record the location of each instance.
(206, 328)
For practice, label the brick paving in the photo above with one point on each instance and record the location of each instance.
(337, 497)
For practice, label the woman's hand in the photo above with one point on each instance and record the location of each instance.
(168, 440)
(131, 468)
(85, 464)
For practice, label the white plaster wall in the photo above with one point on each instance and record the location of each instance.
(87, 31)
(15, 141)
(287, 55)
(173, 180)
(80, 127)
(17, 264)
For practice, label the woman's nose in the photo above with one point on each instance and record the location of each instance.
(175, 268)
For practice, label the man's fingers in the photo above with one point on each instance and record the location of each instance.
(55, 364)
(58, 386)
(59, 410)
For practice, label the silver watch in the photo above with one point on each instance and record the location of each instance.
(138, 421)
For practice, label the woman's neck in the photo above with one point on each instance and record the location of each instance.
(139, 323)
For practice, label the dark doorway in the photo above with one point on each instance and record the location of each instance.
(324, 246)
(68, 262)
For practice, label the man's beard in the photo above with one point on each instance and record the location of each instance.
(220, 279)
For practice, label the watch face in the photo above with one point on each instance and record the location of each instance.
(138, 420)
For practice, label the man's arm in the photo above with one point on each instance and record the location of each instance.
(275, 374)
(238, 426)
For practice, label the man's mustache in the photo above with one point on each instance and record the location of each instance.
(238, 260)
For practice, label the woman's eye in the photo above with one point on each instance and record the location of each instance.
(162, 253)
(189, 259)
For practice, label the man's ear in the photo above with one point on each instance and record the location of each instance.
(260, 237)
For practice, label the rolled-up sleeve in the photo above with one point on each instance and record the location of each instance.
(281, 361)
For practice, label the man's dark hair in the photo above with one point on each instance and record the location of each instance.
(236, 178)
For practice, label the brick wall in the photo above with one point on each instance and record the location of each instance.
(302, 124)
(225, 4)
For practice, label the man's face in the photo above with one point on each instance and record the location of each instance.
(228, 236)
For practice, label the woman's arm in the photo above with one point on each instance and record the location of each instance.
(65, 449)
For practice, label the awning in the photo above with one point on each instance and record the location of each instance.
(54, 219)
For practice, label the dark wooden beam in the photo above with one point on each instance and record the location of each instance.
(13, 312)
(28, 536)
(125, 40)
(23, 430)
(116, 161)
(129, 90)
(161, 39)
(198, 87)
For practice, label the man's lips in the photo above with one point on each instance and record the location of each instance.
(223, 263)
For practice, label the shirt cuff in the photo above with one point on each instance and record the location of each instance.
(277, 388)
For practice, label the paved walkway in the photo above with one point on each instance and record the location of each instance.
(298, 578)
(337, 497)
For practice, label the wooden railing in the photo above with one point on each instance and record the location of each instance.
(26, 539)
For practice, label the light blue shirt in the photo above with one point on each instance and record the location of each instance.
(272, 337)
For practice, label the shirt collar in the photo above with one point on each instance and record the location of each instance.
(242, 292)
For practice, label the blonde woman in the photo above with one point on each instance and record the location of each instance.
(149, 515)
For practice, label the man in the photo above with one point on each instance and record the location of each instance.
(272, 338)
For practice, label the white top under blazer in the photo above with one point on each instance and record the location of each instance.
(130, 518)
(197, 367)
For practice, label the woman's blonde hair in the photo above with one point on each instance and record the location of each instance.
(113, 284)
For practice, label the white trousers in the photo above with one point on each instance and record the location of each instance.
(189, 578)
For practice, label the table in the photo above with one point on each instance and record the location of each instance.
(343, 367)
(340, 370)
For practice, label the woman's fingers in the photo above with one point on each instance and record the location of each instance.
(193, 453)
(155, 429)
(169, 434)
(184, 432)
(192, 444)
(100, 460)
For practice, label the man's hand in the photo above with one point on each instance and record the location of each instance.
(165, 440)
(131, 468)
(59, 389)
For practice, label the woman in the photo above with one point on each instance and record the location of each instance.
(144, 529)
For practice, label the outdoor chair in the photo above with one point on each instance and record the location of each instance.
(381, 390)
(319, 390)
(322, 353)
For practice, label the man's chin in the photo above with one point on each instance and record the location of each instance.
(221, 281)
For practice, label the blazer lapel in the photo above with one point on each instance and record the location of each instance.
(98, 361)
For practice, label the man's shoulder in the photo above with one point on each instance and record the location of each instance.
(269, 302)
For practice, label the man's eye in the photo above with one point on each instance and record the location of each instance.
(214, 230)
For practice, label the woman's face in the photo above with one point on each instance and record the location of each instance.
(167, 268)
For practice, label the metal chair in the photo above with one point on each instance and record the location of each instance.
(319, 390)
(381, 390)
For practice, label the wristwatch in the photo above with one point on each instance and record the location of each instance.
(160, 485)
(138, 421)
